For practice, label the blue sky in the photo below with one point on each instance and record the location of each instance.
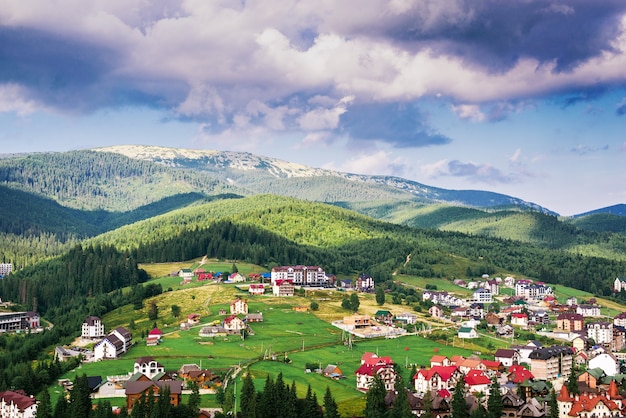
(526, 98)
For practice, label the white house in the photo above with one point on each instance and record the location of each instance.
(239, 306)
(607, 362)
(256, 289)
(234, 324)
(16, 405)
(482, 295)
(588, 310)
(92, 328)
(467, 332)
(148, 366)
(601, 332)
(408, 317)
(110, 347)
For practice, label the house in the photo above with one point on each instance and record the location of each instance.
(607, 405)
(467, 332)
(592, 378)
(154, 337)
(407, 317)
(435, 311)
(184, 370)
(493, 286)
(477, 382)
(254, 317)
(372, 365)
(234, 325)
(110, 347)
(549, 363)
(518, 374)
(64, 353)
(92, 328)
(236, 278)
(135, 390)
(256, 289)
(620, 319)
(476, 310)
(579, 343)
(148, 366)
(384, 316)
(185, 274)
(482, 295)
(469, 364)
(239, 307)
(283, 287)
(437, 378)
(193, 319)
(438, 360)
(17, 405)
(333, 371)
(507, 357)
(520, 319)
(364, 283)
(204, 276)
(607, 362)
(588, 310)
(204, 378)
(212, 331)
(494, 319)
(124, 336)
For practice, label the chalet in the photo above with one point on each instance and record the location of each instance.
(283, 287)
(204, 276)
(467, 332)
(477, 382)
(548, 363)
(435, 311)
(148, 366)
(204, 378)
(518, 374)
(236, 278)
(234, 325)
(184, 370)
(136, 389)
(92, 328)
(507, 357)
(492, 367)
(345, 284)
(17, 405)
(239, 307)
(437, 378)
(256, 289)
(538, 317)
(154, 337)
(469, 364)
(476, 310)
(372, 365)
(592, 378)
(607, 405)
(383, 316)
(193, 319)
(110, 347)
(494, 319)
(254, 317)
(439, 360)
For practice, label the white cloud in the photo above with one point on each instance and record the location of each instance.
(373, 163)
(14, 98)
(468, 111)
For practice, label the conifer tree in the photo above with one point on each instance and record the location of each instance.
(375, 406)
(80, 400)
(62, 408)
(572, 383)
(268, 402)
(427, 405)
(553, 405)
(163, 407)
(401, 407)
(459, 407)
(44, 409)
(411, 380)
(193, 404)
(380, 296)
(330, 406)
(248, 397)
(494, 403)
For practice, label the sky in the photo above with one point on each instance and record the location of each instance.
(521, 97)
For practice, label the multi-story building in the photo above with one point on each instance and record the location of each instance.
(239, 307)
(300, 275)
(620, 319)
(601, 332)
(18, 321)
(17, 405)
(570, 322)
(92, 328)
(588, 310)
(5, 268)
(371, 366)
(364, 283)
(549, 363)
(283, 287)
(148, 366)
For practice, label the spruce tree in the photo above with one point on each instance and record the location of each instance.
(459, 407)
(80, 400)
(268, 402)
(248, 397)
(44, 409)
(62, 408)
(163, 407)
(401, 407)
(494, 403)
(572, 383)
(411, 380)
(375, 406)
(427, 405)
(330, 406)
(553, 405)
(380, 296)
(194, 399)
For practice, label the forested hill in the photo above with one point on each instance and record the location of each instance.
(271, 230)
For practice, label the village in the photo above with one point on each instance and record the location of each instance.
(584, 345)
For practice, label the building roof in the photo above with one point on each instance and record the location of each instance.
(91, 320)
(476, 377)
(549, 352)
(20, 399)
(504, 353)
(140, 386)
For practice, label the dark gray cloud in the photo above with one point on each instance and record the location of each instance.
(401, 125)
(495, 34)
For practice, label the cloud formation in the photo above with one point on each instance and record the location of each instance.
(238, 65)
